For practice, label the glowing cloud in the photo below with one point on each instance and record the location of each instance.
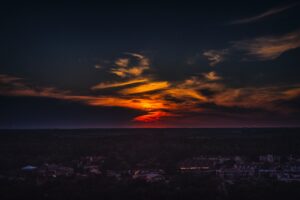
(198, 84)
(183, 93)
(161, 99)
(153, 116)
(263, 97)
(134, 103)
(126, 68)
(271, 47)
(211, 76)
(148, 87)
(122, 62)
(117, 84)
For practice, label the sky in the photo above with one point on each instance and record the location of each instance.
(150, 64)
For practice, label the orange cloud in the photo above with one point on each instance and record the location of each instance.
(119, 72)
(118, 84)
(163, 103)
(122, 62)
(292, 93)
(153, 116)
(133, 71)
(182, 93)
(271, 47)
(136, 71)
(148, 87)
(126, 69)
(211, 76)
(262, 98)
(134, 103)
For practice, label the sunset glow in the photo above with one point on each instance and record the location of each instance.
(195, 68)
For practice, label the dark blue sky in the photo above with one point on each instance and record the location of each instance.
(171, 64)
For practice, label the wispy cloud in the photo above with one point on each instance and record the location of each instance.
(185, 94)
(264, 98)
(122, 62)
(98, 66)
(117, 84)
(148, 87)
(163, 99)
(270, 47)
(154, 116)
(137, 55)
(14, 86)
(259, 48)
(212, 76)
(268, 13)
(6, 79)
(215, 56)
(137, 103)
(132, 66)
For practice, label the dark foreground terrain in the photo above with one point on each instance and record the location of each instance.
(150, 164)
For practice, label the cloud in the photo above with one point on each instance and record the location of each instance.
(15, 86)
(215, 56)
(263, 97)
(5, 79)
(153, 116)
(11, 86)
(198, 84)
(148, 87)
(133, 66)
(260, 48)
(136, 103)
(119, 72)
(268, 13)
(98, 66)
(132, 72)
(292, 93)
(212, 76)
(118, 84)
(136, 71)
(122, 62)
(185, 94)
(137, 55)
(270, 47)
(161, 99)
